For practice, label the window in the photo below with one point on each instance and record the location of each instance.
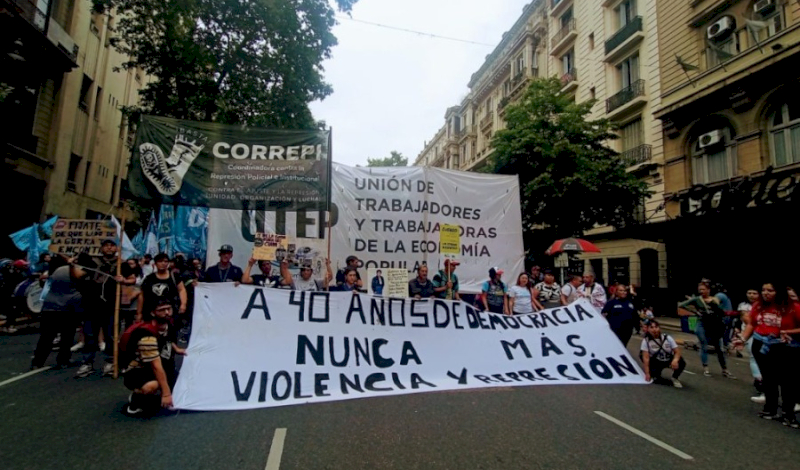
(98, 100)
(770, 24)
(713, 163)
(628, 71)
(568, 62)
(114, 189)
(632, 135)
(72, 174)
(488, 105)
(566, 18)
(96, 24)
(535, 59)
(591, 41)
(720, 52)
(86, 175)
(625, 13)
(592, 93)
(520, 64)
(784, 134)
(507, 88)
(86, 88)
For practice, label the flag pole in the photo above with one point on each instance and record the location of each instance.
(328, 203)
(119, 289)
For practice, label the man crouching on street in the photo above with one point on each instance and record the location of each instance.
(150, 348)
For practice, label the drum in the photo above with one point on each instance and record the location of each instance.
(33, 297)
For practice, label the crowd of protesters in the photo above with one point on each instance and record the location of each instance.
(157, 295)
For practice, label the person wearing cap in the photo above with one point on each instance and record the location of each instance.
(535, 276)
(224, 271)
(100, 300)
(547, 294)
(493, 293)
(445, 282)
(352, 262)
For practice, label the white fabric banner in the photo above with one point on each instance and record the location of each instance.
(254, 348)
(390, 218)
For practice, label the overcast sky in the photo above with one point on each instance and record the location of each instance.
(391, 88)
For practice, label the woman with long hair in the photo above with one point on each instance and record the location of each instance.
(775, 329)
(710, 326)
(520, 300)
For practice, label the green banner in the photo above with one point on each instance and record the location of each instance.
(230, 167)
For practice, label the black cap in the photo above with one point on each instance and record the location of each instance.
(109, 240)
(226, 248)
(548, 271)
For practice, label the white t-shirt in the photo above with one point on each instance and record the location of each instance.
(522, 299)
(660, 349)
(570, 292)
(745, 307)
(298, 283)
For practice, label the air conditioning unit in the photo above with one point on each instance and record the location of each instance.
(721, 28)
(763, 7)
(712, 138)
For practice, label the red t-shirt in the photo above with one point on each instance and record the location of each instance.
(770, 320)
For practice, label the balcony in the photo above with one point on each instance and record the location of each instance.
(626, 100)
(557, 7)
(503, 103)
(569, 81)
(624, 40)
(487, 120)
(563, 37)
(31, 11)
(641, 154)
(466, 131)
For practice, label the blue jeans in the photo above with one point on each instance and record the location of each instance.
(700, 331)
(753, 364)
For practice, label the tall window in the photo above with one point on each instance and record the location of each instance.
(568, 62)
(632, 135)
(629, 71)
(520, 63)
(784, 134)
(625, 12)
(566, 18)
(719, 52)
(712, 163)
(772, 20)
(535, 59)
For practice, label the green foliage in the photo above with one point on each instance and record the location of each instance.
(570, 180)
(255, 62)
(396, 159)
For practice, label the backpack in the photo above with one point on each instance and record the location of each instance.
(126, 352)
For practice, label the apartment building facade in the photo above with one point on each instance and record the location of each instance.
(600, 50)
(731, 122)
(67, 147)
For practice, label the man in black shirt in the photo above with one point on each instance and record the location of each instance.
(421, 287)
(224, 271)
(265, 279)
(99, 301)
(162, 285)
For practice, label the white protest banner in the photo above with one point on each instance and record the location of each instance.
(391, 218)
(254, 348)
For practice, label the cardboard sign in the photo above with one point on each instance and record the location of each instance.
(270, 247)
(450, 240)
(396, 283)
(73, 236)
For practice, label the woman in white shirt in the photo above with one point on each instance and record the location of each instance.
(520, 300)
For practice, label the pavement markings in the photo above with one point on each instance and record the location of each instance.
(688, 372)
(646, 436)
(276, 450)
(26, 374)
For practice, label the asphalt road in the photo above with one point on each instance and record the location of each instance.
(50, 420)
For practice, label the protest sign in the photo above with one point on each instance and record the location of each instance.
(208, 164)
(396, 283)
(255, 348)
(392, 217)
(267, 245)
(73, 236)
(449, 240)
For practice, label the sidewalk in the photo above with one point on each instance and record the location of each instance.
(672, 326)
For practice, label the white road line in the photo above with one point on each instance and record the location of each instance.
(276, 450)
(689, 372)
(643, 435)
(26, 374)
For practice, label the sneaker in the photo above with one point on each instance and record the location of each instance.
(797, 408)
(108, 369)
(761, 399)
(677, 383)
(131, 408)
(84, 371)
(728, 375)
(792, 423)
(706, 373)
(77, 347)
(102, 346)
(768, 415)
(9, 329)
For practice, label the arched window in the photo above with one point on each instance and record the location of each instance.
(712, 153)
(784, 134)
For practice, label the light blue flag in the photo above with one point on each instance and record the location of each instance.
(189, 231)
(138, 241)
(151, 236)
(22, 238)
(128, 250)
(47, 227)
(166, 232)
(34, 245)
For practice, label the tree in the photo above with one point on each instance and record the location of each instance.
(569, 179)
(255, 62)
(396, 159)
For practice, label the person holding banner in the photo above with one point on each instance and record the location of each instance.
(520, 297)
(493, 293)
(224, 271)
(548, 293)
(265, 279)
(659, 351)
(421, 287)
(445, 282)
(304, 282)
